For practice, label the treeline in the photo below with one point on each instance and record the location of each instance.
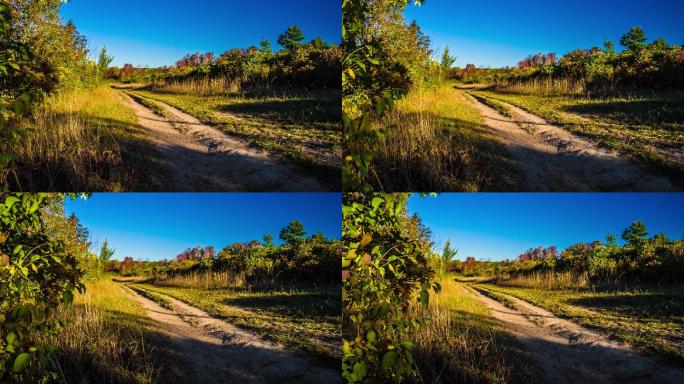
(299, 63)
(641, 258)
(298, 259)
(640, 65)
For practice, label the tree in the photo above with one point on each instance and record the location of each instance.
(318, 43)
(105, 255)
(103, 62)
(291, 39)
(293, 233)
(447, 256)
(636, 233)
(265, 46)
(634, 39)
(268, 240)
(447, 62)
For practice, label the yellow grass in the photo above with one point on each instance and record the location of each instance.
(461, 342)
(435, 141)
(547, 280)
(71, 143)
(204, 86)
(545, 87)
(108, 339)
(202, 280)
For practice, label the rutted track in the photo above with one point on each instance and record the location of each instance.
(205, 159)
(553, 159)
(219, 352)
(568, 353)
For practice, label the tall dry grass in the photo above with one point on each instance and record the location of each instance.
(460, 342)
(202, 86)
(108, 339)
(546, 86)
(72, 144)
(435, 141)
(547, 280)
(204, 280)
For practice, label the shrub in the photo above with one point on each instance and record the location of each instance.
(38, 274)
(385, 268)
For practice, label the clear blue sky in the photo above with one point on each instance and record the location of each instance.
(154, 33)
(497, 33)
(154, 226)
(501, 226)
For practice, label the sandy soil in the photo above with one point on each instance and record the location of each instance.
(205, 159)
(219, 352)
(553, 159)
(569, 353)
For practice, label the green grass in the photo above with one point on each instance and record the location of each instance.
(110, 339)
(462, 342)
(305, 320)
(493, 103)
(304, 129)
(435, 141)
(649, 129)
(652, 319)
(151, 105)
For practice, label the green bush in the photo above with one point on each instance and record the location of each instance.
(384, 271)
(38, 273)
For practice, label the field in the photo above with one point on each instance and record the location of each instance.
(462, 342)
(435, 141)
(646, 128)
(648, 318)
(110, 340)
(86, 140)
(306, 320)
(302, 127)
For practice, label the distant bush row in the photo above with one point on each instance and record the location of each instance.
(297, 259)
(301, 64)
(657, 259)
(655, 65)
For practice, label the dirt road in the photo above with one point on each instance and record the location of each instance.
(205, 159)
(568, 353)
(553, 159)
(219, 352)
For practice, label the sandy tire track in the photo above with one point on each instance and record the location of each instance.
(203, 158)
(569, 353)
(219, 352)
(553, 159)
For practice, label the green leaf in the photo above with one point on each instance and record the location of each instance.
(360, 370)
(11, 200)
(11, 338)
(22, 361)
(389, 360)
(67, 297)
(424, 298)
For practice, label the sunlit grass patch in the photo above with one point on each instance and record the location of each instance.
(460, 341)
(85, 140)
(110, 339)
(435, 141)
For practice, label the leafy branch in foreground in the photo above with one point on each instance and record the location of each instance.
(385, 269)
(38, 274)
(371, 81)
